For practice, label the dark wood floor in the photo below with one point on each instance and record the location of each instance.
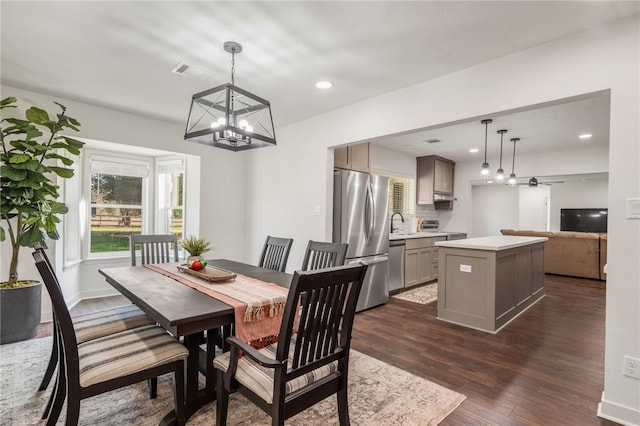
(544, 368)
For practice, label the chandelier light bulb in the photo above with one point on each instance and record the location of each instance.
(500, 175)
(243, 124)
(512, 179)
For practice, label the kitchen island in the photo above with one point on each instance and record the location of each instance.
(486, 282)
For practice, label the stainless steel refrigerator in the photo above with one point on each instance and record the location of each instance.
(360, 218)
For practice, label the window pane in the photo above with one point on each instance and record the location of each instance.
(176, 222)
(402, 195)
(170, 203)
(116, 211)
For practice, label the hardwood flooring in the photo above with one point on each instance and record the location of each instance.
(544, 368)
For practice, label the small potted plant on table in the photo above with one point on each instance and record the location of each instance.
(195, 247)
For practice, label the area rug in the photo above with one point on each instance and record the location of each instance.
(379, 394)
(423, 295)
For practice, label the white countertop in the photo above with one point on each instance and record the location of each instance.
(416, 235)
(493, 243)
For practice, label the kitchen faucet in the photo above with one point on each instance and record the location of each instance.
(391, 221)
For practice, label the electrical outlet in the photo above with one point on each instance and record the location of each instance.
(631, 367)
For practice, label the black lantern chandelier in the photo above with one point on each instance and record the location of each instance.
(229, 117)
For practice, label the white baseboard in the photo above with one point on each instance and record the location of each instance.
(621, 414)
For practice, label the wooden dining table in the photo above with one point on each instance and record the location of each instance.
(186, 313)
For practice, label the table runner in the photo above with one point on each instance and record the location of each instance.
(258, 306)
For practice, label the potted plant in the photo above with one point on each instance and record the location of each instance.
(195, 246)
(29, 209)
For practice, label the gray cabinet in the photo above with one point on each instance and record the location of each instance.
(421, 260)
(434, 176)
(485, 289)
(352, 157)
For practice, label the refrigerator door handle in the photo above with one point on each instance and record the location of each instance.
(369, 211)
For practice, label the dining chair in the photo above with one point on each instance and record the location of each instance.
(93, 326)
(107, 363)
(310, 361)
(275, 253)
(324, 255)
(154, 248)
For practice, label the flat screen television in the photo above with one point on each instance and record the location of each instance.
(583, 220)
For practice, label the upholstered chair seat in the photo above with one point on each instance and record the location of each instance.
(259, 379)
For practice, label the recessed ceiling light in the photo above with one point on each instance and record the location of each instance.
(324, 84)
(585, 136)
(473, 150)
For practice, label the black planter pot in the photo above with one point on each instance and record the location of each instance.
(20, 313)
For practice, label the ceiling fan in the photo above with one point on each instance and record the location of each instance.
(533, 182)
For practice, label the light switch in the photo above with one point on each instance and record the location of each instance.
(316, 210)
(465, 268)
(633, 208)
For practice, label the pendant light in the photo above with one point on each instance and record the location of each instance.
(500, 172)
(229, 117)
(512, 176)
(485, 166)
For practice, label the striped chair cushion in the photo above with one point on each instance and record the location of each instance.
(260, 379)
(127, 352)
(109, 321)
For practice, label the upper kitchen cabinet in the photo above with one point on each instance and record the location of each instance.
(435, 182)
(352, 157)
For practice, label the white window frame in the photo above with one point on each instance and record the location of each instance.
(165, 166)
(141, 166)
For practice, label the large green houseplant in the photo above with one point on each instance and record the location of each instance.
(31, 154)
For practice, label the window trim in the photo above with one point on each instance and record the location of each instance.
(137, 164)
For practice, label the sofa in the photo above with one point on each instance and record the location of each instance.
(576, 254)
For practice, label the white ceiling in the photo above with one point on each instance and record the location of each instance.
(119, 55)
(540, 128)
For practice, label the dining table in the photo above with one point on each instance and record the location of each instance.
(188, 314)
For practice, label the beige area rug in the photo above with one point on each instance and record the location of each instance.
(423, 295)
(379, 394)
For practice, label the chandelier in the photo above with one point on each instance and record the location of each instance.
(512, 177)
(500, 172)
(229, 117)
(485, 166)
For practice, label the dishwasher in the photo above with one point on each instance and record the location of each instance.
(396, 265)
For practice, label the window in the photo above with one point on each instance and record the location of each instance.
(133, 194)
(118, 191)
(170, 196)
(402, 194)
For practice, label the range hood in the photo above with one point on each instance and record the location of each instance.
(443, 197)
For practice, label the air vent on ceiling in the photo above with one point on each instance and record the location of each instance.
(189, 71)
(432, 140)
